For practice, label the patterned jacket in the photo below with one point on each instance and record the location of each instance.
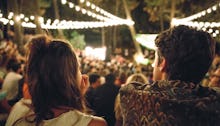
(169, 103)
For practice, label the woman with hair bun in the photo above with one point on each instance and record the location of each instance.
(56, 86)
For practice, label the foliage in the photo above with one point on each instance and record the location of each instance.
(77, 40)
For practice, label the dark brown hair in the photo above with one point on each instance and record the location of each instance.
(52, 68)
(188, 52)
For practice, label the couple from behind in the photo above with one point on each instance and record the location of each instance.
(182, 58)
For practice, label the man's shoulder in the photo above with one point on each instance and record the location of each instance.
(137, 87)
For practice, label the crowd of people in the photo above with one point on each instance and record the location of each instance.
(52, 84)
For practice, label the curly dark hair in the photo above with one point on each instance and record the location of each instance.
(188, 53)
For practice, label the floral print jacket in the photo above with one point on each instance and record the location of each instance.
(169, 103)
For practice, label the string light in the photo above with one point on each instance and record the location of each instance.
(107, 16)
(196, 24)
(105, 21)
(205, 26)
(201, 14)
(10, 15)
(63, 24)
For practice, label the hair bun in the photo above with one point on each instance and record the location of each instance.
(39, 44)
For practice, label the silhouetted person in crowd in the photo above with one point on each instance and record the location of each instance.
(95, 81)
(176, 98)
(105, 98)
(56, 87)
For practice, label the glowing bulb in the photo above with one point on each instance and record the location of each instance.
(88, 4)
(214, 8)
(101, 11)
(32, 17)
(89, 13)
(207, 24)
(210, 30)
(21, 16)
(48, 21)
(63, 1)
(94, 15)
(71, 5)
(82, 1)
(5, 21)
(97, 9)
(56, 21)
(26, 19)
(11, 14)
(17, 18)
(209, 10)
(11, 22)
(10, 17)
(93, 6)
(84, 11)
(214, 34)
(41, 19)
(77, 8)
(203, 13)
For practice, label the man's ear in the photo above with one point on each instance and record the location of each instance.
(162, 65)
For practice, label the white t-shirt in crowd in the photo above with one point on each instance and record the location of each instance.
(10, 85)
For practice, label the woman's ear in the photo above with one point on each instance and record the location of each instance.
(162, 65)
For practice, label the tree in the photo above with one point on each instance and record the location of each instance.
(57, 16)
(132, 29)
(18, 36)
(77, 40)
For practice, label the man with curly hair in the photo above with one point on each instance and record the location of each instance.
(176, 98)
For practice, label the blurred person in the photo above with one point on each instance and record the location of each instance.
(176, 98)
(56, 87)
(120, 79)
(11, 82)
(215, 80)
(95, 81)
(137, 77)
(3, 71)
(10, 87)
(105, 98)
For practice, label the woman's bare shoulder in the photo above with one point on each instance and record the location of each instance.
(97, 121)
